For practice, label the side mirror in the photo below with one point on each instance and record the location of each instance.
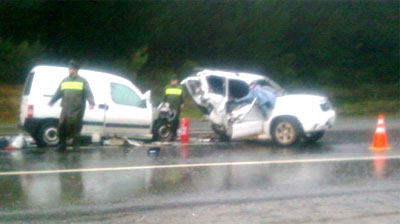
(147, 95)
(147, 99)
(143, 103)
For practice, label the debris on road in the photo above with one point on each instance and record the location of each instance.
(122, 142)
(4, 142)
(19, 141)
(113, 142)
(153, 151)
(133, 142)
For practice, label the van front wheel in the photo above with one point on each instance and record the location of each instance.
(163, 131)
(47, 135)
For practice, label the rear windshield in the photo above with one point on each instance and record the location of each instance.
(28, 84)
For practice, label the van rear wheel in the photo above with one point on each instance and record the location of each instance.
(47, 135)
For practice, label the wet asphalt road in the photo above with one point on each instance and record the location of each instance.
(337, 180)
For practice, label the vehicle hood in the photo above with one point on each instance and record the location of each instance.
(299, 99)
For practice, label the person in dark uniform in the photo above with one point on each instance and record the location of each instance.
(173, 95)
(74, 91)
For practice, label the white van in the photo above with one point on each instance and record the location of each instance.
(121, 109)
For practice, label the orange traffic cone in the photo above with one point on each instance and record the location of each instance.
(380, 139)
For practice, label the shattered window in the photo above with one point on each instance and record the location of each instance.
(237, 89)
(195, 87)
(216, 84)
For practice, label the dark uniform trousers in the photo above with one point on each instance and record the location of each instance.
(70, 126)
(173, 95)
(74, 92)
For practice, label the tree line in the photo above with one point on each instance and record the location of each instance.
(345, 43)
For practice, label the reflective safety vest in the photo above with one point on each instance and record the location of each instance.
(173, 91)
(72, 85)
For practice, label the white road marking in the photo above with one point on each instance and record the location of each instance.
(245, 163)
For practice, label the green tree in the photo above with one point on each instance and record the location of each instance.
(17, 59)
(135, 62)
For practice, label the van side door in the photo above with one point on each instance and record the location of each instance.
(93, 121)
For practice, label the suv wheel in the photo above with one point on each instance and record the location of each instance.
(47, 135)
(285, 132)
(224, 137)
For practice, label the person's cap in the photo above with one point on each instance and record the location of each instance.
(73, 64)
(174, 77)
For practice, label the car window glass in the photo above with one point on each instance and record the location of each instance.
(124, 95)
(271, 86)
(237, 89)
(216, 84)
(195, 87)
(28, 84)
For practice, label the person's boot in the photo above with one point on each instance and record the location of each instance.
(76, 144)
(62, 146)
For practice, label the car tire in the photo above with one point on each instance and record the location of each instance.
(285, 132)
(47, 135)
(163, 131)
(314, 137)
(223, 136)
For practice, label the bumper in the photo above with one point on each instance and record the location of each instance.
(322, 123)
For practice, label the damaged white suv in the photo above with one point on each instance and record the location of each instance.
(293, 118)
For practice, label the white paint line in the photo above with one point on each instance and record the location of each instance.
(245, 163)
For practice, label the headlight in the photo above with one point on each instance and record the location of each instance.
(325, 106)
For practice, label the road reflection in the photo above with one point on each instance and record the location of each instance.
(71, 188)
(379, 163)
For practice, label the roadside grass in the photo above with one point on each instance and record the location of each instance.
(10, 97)
(190, 110)
(366, 100)
(386, 107)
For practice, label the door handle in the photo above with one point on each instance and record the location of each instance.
(103, 106)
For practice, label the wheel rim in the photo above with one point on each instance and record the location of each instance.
(164, 131)
(50, 136)
(285, 133)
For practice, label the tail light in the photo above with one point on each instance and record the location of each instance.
(30, 111)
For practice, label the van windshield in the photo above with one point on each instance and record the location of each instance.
(28, 84)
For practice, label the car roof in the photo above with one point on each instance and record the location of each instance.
(246, 77)
(87, 73)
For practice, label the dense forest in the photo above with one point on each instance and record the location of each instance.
(344, 43)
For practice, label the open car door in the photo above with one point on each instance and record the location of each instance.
(246, 121)
(197, 87)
